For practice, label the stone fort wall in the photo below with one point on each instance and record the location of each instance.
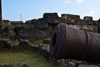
(43, 27)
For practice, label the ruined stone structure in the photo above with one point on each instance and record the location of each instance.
(16, 23)
(43, 27)
(50, 20)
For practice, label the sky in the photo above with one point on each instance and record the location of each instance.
(34, 9)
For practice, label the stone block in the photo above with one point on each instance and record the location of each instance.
(70, 64)
(42, 25)
(46, 41)
(40, 34)
(51, 17)
(24, 44)
(11, 33)
(88, 66)
(5, 44)
(28, 26)
(76, 26)
(88, 18)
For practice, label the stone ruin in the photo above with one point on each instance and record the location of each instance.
(43, 27)
(40, 29)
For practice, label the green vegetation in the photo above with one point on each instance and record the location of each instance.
(21, 56)
(35, 40)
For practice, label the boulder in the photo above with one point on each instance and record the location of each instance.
(28, 26)
(45, 51)
(15, 46)
(58, 61)
(28, 22)
(42, 26)
(16, 65)
(77, 63)
(51, 17)
(40, 34)
(88, 66)
(11, 33)
(33, 21)
(5, 44)
(71, 19)
(46, 41)
(88, 18)
(70, 64)
(24, 44)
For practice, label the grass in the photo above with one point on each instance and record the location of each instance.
(21, 56)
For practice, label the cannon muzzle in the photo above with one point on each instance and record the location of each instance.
(71, 43)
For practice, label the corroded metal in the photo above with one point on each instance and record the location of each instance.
(71, 43)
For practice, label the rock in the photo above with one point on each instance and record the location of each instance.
(72, 60)
(51, 17)
(4, 65)
(46, 41)
(70, 64)
(34, 21)
(42, 26)
(15, 46)
(40, 34)
(11, 33)
(28, 22)
(23, 34)
(36, 49)
(16, 23)
(88, 18)
(40, 49)
(55, 62)
(16, 65)
(77, 63)
(27, 65)
(7, 65)
(5, 44)
(32, 47)
(17, 29)
(24, 44)
(66, 61)
(88, 66)
(46, 54)
(71, 19)
(45, 51)
(59, 61)
(46, 46)
(28, 26)
(22, 65)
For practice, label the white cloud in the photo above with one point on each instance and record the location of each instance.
(72, 1)
(66, 1)
(69, 1)
(94, 14)
(79, 1)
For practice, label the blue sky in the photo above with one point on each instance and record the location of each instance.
(34, 9)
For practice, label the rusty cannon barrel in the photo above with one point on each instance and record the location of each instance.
(71, 43)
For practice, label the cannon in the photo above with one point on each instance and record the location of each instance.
(70, 43)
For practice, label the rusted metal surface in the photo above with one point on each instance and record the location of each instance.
(71, 43)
